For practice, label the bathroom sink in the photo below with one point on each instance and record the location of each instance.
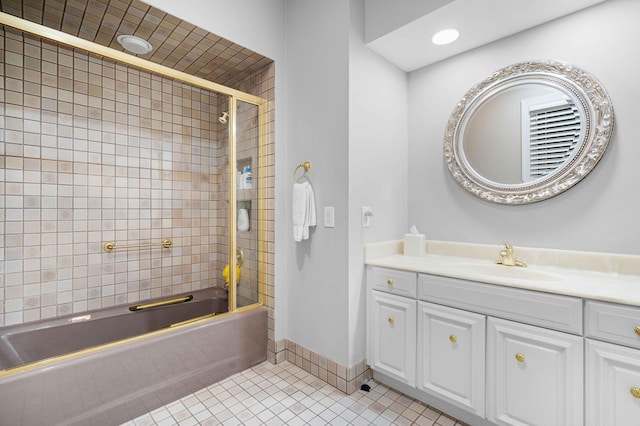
(512, 272)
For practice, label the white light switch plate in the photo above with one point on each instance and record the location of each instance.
(365, 216)
(329, 217)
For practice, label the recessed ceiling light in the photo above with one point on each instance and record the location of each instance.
(134, 44)
(445, 36)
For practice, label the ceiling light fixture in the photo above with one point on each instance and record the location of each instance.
(445, 36)
(134, 44)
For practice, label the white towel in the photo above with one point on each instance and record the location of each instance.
(304, 210)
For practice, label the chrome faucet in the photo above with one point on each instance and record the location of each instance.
(507, 256)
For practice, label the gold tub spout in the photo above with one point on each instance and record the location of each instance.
(507, 256)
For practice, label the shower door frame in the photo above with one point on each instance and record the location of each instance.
(234, 96)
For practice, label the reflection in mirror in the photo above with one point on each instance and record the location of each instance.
(539, 129)
(528, 132)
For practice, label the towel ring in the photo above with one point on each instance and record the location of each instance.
(307, 167)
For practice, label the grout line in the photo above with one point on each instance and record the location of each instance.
(285, 394)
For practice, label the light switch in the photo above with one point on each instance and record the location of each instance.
(329, 217)
(366, 214)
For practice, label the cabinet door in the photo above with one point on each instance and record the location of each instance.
(612, 384)
(451, 349)
(394, 336)
(534, 375)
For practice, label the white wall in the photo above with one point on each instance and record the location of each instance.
(600, 213)
(317, 120)
(255, 24)
(378, 163)
(341, 107)
(309, 40)
(347, 115)
(384, 16)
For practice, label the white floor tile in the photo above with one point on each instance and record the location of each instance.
(284, 394)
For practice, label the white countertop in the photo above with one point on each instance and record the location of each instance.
(598, 276)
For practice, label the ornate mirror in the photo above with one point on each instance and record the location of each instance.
(528, 132)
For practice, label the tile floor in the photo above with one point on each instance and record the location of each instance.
(285, 394)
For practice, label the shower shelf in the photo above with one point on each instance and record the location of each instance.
(246, 194)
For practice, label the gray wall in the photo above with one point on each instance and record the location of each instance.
(346, 113)
(384, 16)
(341, 107)
(600, 213)
(377, 163)
(317, 116)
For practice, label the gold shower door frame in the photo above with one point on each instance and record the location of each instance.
(233, 201)
(234, 96)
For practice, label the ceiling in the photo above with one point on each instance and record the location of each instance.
(400, 34)
(177, 44)
(408, 44)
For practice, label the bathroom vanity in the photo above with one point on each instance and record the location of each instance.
(555, 343)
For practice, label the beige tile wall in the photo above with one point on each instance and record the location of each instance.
(94, 151)
(91, 151)
(347, 379)
(177, 43)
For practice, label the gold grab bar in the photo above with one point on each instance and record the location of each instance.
(161, 303)
(111, 245)
(176, 324)
(307, 167)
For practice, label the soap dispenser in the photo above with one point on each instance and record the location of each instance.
(243, 217)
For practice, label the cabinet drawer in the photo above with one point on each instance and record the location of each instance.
(401, 283)
(613, 323)
(562, 313)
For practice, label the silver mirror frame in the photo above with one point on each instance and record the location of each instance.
(579, 84)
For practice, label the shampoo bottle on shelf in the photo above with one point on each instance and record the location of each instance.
(247, 178)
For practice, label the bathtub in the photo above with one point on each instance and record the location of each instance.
(49, 377)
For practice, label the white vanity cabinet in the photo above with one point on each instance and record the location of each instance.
(534, 349)
(495, 354)
(612, 380)
(451, 349)
(555, 343)
(534, 375)
(391, 326)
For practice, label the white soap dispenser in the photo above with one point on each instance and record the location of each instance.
(243, 217)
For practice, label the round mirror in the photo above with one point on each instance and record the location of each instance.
(528, 132)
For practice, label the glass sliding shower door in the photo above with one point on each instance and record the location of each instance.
(246, 136)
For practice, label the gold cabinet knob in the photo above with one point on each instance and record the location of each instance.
(389, 281)
(519, 357)
(635, 392)
(453, 338)
(391, 320)
(637, 330)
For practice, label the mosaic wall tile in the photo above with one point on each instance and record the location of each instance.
(96, 151)
(177, 43)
